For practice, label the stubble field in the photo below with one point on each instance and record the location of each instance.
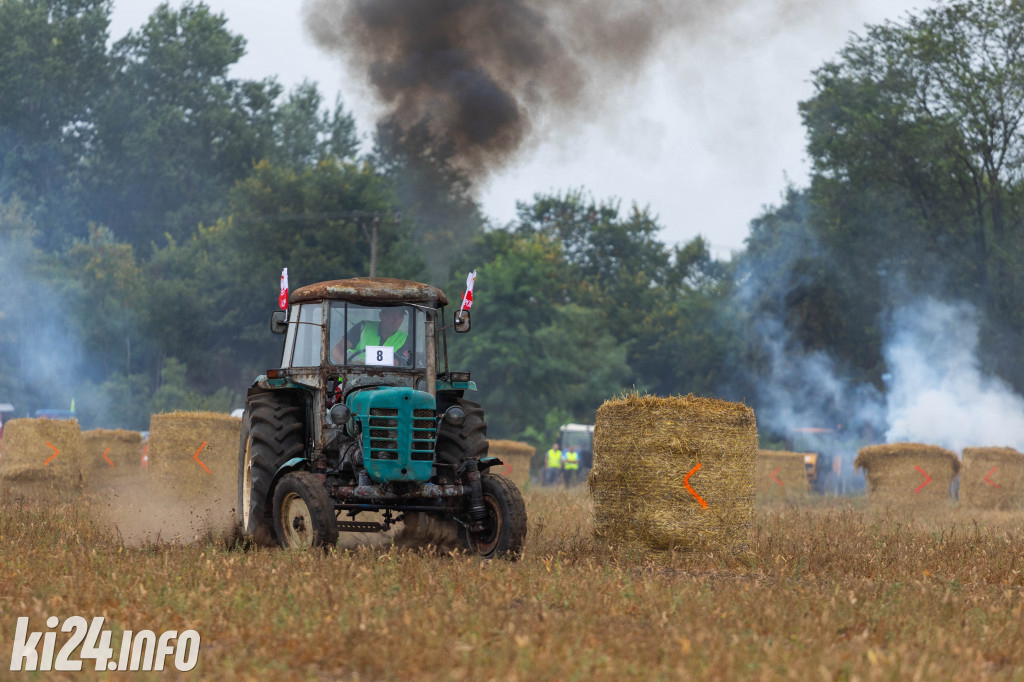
(829, 591)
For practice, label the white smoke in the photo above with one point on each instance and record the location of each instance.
(42, 354)
(806, 390)
(937, 392)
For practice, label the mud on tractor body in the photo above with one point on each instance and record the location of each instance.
(363, 415)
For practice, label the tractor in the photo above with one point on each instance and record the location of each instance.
(363, 415)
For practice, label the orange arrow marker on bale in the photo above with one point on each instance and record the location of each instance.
(774, 478)
(686, 484)
(991, 483)
(55, 453)
(107, 458)
(196, 457)
(928, 479)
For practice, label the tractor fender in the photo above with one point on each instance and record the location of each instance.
(294, 464)
(485, 463)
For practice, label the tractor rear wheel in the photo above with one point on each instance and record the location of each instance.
(272, 434)
(505, 526)
(303, 513)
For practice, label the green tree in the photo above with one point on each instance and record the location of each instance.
(618, 261)
(684, 342)
(53, 70)
(16, 254)
(174, 131)
(641, 287)
(101, 281)
(532, 351)
(305, 134)
(213, 293)
(916, 131)
(174, 393)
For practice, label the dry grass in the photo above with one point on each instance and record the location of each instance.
(828, 593)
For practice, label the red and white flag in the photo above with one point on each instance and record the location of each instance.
(282, 299)
(467, 298)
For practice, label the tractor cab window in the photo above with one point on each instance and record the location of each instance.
(308, 336)
(385, 336)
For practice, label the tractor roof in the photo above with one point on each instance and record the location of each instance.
(371, 290)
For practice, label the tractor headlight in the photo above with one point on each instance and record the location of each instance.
(455, 415)
(340, 414)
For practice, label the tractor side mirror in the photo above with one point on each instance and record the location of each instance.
(279, 321)
(462, 321)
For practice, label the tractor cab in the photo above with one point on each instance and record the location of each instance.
(363, 332)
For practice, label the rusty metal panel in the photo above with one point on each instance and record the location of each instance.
(372, 290)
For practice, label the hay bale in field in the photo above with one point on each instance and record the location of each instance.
(992, 478)
(781, 475)
(516, 457)
(111, 457)
(193, 457)
(41, 460)
(674, 472)
(909, 475)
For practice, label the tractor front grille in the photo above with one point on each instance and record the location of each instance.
(399, 431)
(384, 433)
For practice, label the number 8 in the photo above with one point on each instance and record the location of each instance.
(380, 356)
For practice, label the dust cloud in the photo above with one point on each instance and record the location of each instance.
(139, 513)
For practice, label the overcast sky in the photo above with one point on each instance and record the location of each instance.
(705, 136)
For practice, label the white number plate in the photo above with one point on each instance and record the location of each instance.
(380, 355)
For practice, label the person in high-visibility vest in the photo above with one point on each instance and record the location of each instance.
(553, 465)
(387, 332)
(570, 465)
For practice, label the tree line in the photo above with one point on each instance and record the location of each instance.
(148, 201)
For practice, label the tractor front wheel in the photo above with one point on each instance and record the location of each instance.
(504, 528)
(303, 514)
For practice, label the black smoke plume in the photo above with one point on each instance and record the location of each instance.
(488, 78)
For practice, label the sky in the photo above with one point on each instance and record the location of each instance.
(706, 135)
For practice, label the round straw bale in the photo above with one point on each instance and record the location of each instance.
(41, 460)
(193, 457)
(781, 475)
(516, 457)
(992, 478)
(674, 472)
(909, 475)
(111, 457)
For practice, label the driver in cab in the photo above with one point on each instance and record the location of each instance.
(386, 332)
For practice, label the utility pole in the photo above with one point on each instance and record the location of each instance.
(371, 230)
(372, 233)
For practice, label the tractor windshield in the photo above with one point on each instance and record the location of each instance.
(387, 336)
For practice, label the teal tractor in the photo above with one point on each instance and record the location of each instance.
(364, 415)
